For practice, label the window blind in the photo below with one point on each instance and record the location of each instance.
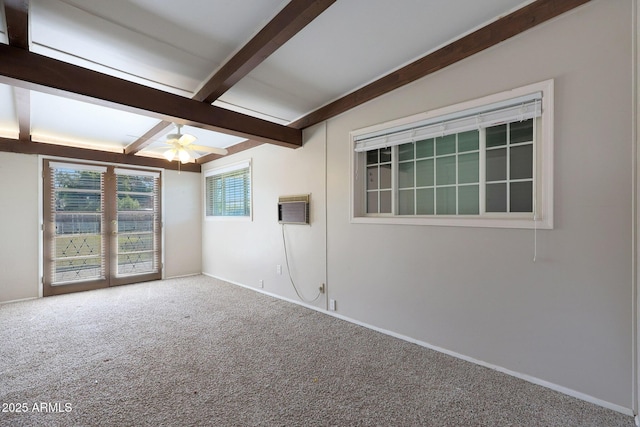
(138, 219)
(75, 211)
(228, 191)
(515, 109)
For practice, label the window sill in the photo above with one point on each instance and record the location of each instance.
(228, 218)
(450, 221)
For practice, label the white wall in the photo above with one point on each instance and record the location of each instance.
(19, 229)
(246, 252)
(19, 225)
(182, 223)
(565, 319)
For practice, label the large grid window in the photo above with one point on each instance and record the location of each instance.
(489, 159)
(228, 191)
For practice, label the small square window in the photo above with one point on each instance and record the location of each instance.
(228, 191)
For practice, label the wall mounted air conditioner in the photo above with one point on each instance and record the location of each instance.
(293, 209)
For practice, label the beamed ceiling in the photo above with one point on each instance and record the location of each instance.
(107, 80)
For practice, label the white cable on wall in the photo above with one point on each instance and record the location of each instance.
(286, 258)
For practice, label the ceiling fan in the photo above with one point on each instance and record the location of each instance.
(182, 147)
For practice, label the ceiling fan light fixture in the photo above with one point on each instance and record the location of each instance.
(170, 154)
(183, 156)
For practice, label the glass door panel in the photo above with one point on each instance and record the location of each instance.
(102, 226)
(138, 226)
(75, 241)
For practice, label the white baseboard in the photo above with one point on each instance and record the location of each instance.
(528, 378)
(17, 300)
(181, 276)
(262, 291)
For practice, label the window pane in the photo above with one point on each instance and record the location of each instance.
(135, 202)
(446, 145)
(372, 157)
(77, 212)
(521, 131)
(424, 202)
(385, 202)
(469, 200)
(78, 223)
(385, 176)
(385, 155)
(78, 201)
(209, 197)
(446, 201)
(69, 246)
(135, 222)
(405, 174)
(372, 177)
(496, 164)
(521, 197)
(496, 136)
(405, 151)
(521, 162)
(405, 202)
(424, 173)
(468, 168)
(424, 148)
(446, 170)
(80, 179)
(496, 197)
(468, 141)
(231, 195)
(372, 202)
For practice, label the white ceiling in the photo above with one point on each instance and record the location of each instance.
(176, 46)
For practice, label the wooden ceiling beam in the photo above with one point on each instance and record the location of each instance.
(17, 19)
(16, 13)
(236, 148)
(287, 23)
(29, 147)
(292, 18)
(148, 137)
(23, 111)
(36, 72)
(498, 31)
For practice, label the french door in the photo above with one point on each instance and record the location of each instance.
(102, 226)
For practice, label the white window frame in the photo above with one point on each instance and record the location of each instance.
(221, 170)
(541, 218)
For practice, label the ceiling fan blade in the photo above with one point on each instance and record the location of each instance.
(192, 153)
(214, 150)
(186, 139)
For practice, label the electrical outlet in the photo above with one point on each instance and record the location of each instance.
(261, 283)
(279, 269)
(332, 305)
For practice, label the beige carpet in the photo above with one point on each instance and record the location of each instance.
(200, 352)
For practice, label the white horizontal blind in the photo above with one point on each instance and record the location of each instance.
(132, 172)
(77, 167)
(138, 221)
(76, 212)
(228, 191)
(511, 110)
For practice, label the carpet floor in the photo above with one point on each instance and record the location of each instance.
(200, 352)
